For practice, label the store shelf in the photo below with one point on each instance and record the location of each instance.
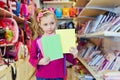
(104, 3)
(103, 34)
(100, 34)
(93, 73)
(58, 2)
(84, 18)
(94, 8)
(8, 14)
(65, 18)
(81, 3)
(91, 12)
(81, 36)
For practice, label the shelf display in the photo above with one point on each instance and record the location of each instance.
(15, 34)
(97, 22)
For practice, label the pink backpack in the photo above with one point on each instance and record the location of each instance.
(11, 29)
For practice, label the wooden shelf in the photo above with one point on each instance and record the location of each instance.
(100, 34)
(65, 18)
(81, 3)
(102, 7)
(84, 18)
(93, 73)
(103, 34)
(8, 14)
(104, 3)
(94, 8)
(58, 2)
(91, 12)
(81, 36)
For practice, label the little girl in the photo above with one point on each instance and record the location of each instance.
(45, 24)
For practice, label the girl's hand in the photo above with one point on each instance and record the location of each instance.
(44, 61)
(74, 51)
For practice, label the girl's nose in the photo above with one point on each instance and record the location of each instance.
(50, 26)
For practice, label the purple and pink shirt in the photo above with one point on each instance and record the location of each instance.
(55, 69)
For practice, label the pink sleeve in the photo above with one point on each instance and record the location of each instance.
(70, 58)
(33, 54)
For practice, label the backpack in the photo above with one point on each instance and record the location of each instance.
(9, 30)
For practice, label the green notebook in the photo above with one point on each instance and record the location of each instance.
(52, 47)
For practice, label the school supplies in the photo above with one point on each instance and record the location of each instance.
(52, 47)
(68, 39)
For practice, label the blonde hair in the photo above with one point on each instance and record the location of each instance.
(36, 29)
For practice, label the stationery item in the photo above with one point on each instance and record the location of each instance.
(110, 58)
(88, 52)
(116, 64)
(67, 39)
(88, 26)
(88, 77)
(111, 75)
(96, 60)
(96, 22)
(52, 47)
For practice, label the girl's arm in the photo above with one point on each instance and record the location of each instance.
(72, 56)
(33, 54)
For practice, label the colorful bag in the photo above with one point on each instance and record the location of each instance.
(17, 12)
(51, 9)
(11, 30)
(24, 10)
(72, 12)
(65, 12)
(58, 12)
(3, 3)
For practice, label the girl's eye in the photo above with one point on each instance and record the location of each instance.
(45, 24)
(52, 22)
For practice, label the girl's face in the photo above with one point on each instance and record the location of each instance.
(48, 24)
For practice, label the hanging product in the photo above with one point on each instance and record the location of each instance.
(72, 11)
(51, 9)
(24, 10)
(58, 12)
(31, 8)
(17, 12)
(65, 12)
(70, 25)
(3, 3)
